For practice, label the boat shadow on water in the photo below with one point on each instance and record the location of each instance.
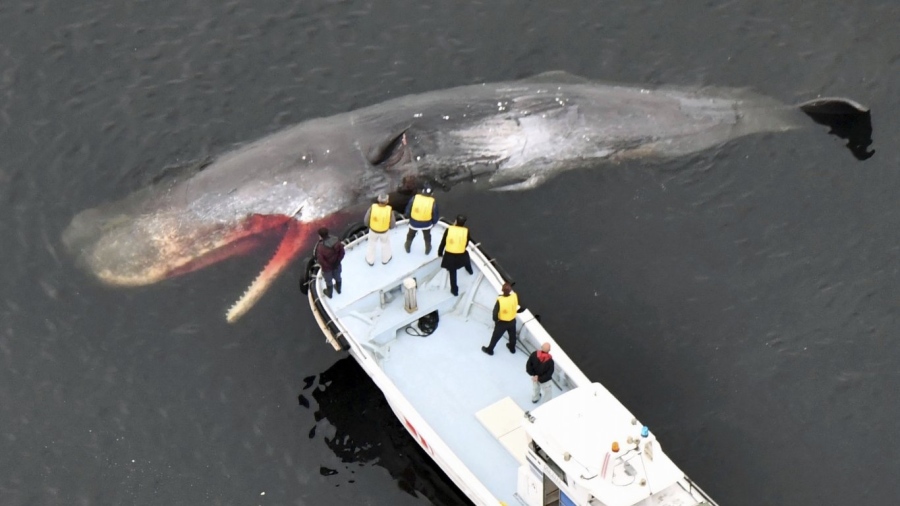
(356, 423)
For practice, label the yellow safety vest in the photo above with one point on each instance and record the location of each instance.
(456, 239)
(380, 218)
(509, 304)
(421, 208)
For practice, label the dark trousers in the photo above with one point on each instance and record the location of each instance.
(332, 275)
(454, 288)
(499, 328)
(452, 262)
(426, 232)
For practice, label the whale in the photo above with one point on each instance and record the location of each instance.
(503, 136)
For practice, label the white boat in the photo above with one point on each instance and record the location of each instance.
(473, 413)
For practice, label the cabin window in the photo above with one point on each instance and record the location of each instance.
(546, 458)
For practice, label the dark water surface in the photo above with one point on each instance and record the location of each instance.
(742, 302)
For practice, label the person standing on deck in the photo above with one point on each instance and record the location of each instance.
(379, 218)
(329, 252)
(453, 250)
(422, 212)
(540, 367)
(505, 310)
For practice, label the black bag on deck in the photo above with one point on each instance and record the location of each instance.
(429, 323)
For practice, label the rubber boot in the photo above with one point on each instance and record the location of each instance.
(427, 247)
(407, 245)
(327, 292)
(337, 287)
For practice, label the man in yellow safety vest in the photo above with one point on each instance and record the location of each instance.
(505, 310)
(379, 218)
(453, 250)
(422, 212)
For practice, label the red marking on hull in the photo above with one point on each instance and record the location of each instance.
(417, 436)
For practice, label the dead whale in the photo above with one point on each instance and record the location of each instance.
(503, 136)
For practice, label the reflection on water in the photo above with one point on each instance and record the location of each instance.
(356, 422)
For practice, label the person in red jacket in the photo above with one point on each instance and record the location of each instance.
(329, 252)
(540, 367)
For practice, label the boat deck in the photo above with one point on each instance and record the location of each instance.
(448, 379)
(445, 376)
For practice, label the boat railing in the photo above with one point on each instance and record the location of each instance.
(333, 334)
(531, 331)
(693, 487)
(528, 340)
(528, 343)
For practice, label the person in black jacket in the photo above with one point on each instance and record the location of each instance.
(540, 367)
(504, 314)
(453, 251)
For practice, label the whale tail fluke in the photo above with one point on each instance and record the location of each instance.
(846, 119)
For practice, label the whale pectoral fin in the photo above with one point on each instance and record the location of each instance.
(380, 149)
(532, 182)
(182, 171)
(293, 242)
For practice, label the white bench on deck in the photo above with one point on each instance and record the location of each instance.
(394, 316)
(503, 419)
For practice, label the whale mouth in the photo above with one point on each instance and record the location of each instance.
(292, 243)
(134, 251)
(846, 119)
